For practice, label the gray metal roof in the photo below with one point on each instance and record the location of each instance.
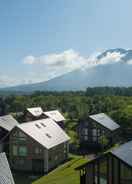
(105, 121)
(8, 122)
(5, 172)
(55, 115)
(124, 152)
(45, 131)
(35, 111)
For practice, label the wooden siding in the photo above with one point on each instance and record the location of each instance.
(35, 154)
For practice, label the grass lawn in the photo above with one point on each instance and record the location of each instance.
(64, 174)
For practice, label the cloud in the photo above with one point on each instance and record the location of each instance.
(55, 64)
(129, 62)
(111, 57)
(69, 59)
(45, 67)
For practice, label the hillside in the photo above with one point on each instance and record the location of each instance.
(65, 174)
(111, 68)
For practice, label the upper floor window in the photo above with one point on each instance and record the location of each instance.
(22, 151)
(37, 150)
(85, 131)
(15, 150)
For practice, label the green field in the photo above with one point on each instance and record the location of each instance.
(64, 174)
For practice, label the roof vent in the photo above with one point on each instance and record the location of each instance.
(37, 126)
(43, 124)
(49, 136)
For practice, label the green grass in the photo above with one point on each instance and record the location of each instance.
(65, 174)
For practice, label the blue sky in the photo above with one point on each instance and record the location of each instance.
(37, 36)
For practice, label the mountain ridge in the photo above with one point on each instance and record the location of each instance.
(113, 68)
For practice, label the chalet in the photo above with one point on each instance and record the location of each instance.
(32, 114)
(56, 116)
(7, 123)
(97, 130)
(38, 146)
(5, 172)
(114, 167)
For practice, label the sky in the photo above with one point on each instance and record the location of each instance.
(41, 39)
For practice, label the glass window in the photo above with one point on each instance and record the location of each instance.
(85, 131)
(94, 132)
(14, 150)
(23, 151)
(56, 157)
(21, 136)
(85, 138)
(37, 150)
(95, 138)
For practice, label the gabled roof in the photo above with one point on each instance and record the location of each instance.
(45, 131)
(35, 111)
(124, 153)
(5, 172)
(55, 115)
(105, 121)
(8, 122)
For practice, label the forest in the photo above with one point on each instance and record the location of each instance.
(116, 102)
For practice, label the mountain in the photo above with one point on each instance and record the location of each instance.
(113, 68)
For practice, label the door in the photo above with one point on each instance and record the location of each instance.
(38, 166)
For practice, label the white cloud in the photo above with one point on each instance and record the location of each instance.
(51, 65)
(129, 62)
(48, 66)
(110, 58)
(29, 60)
(69, 59)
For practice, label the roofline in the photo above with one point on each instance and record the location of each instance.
(103, 125)
(130, 166)
(48, 148)
(100, 157)
(91, 161)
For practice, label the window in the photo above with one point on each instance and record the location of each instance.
(65, 148)
(94, 139)
(38, 150)
(85, 138)
(85, 131)
(21, 136)
(94, 132)
(56, 157)
(23, 151)
(14, 150)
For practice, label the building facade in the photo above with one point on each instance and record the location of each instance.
(97, 131)
(114, 167)
(38, 146)
(7, 123)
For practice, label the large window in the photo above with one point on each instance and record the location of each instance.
(85, 131)
(15, 150)
(38, 150)
(22, 151)
(85, 137)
